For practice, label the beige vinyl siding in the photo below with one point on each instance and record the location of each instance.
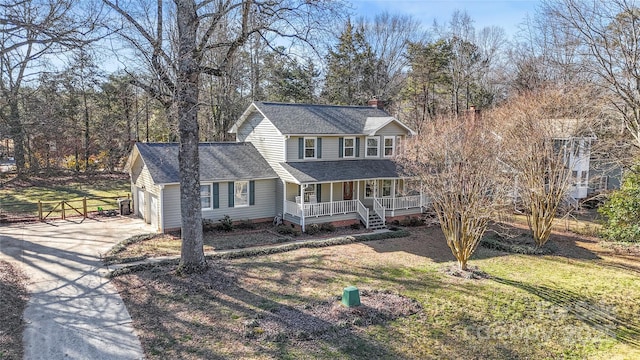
(264, 136)
(293, 190)
(141, 180)
(330, 149)
(265, 204)
(171, 207)
(392, 129)
(140, 177)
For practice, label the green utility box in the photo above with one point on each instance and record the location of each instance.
(351, 296)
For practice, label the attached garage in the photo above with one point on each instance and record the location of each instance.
(235, 180)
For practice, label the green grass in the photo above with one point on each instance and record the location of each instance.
(572, 306)
(24, 198)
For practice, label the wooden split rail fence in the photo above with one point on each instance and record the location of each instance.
(60, 209)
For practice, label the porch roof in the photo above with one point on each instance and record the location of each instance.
(343, 170)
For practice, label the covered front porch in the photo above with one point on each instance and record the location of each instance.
(370, 201)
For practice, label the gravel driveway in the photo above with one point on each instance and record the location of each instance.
(73, 311)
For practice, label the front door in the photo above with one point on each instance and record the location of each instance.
(347, 190)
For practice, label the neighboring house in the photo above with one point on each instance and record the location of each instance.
(306, 163)
(234, 180)
(575, 140)
(334, 163)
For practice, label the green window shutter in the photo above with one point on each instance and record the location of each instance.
(319, 148)
(230, 187)
(340, 147)
(357, 147)
(252, 192)
(300, 148)
(319, 192)
(216, 195)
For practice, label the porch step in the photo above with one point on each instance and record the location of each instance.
(375, 223)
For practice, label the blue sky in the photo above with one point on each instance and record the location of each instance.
(507, 14)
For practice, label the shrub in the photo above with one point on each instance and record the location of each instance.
(286, 230)
(412, 221)
(246, 225)
(327, 227)
(209, 225)
(622, 210)
(355, 226)
(312, 229)
(226, 224)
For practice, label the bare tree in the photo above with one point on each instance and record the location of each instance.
(456, 162)
(609, 35)
(178, 66)
(31, 30)
(544, 136)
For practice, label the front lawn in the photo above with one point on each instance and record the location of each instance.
(582, 302)
(22, 196)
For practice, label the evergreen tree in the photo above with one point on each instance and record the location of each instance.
(351, 69)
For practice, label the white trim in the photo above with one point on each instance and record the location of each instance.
(374, 193)
(210, 185)
(235, 198)
(366, 147)
(304, 147)
(393, 146)
(352, 147)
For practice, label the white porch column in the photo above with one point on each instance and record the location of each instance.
(302, 206)
(331, 198)
(394, 201)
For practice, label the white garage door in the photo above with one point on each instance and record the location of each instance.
(140, 204)
(153, 211)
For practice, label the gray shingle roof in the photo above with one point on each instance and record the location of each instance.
(322, 171)
(218, 162)
(318, 119)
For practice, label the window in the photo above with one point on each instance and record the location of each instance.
(574, 177)
(349, 149)
(309, 148)
(372, 147)
(241, 193)
(386, 188)
(205, 197)
(389, 146)
(370, 189)
(583, 178)
(310, 193)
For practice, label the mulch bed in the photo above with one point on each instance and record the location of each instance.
(330, 318)
(13, 300)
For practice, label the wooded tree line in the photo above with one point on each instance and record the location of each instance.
(189, 68)
(77, 115)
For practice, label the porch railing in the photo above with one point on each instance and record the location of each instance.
(405, 202)
(321, 209)
(363, 212)
(379, 209)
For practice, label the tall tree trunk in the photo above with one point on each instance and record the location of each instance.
(17, 134)
(86, 131)
(192, 252)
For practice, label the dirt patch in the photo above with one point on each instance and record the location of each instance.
(13, 300)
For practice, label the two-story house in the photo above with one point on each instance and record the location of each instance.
(334, 163)
(305, 163)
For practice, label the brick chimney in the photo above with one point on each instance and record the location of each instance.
(378, 104)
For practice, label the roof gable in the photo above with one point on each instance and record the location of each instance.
(308, 119)
(218, 162)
